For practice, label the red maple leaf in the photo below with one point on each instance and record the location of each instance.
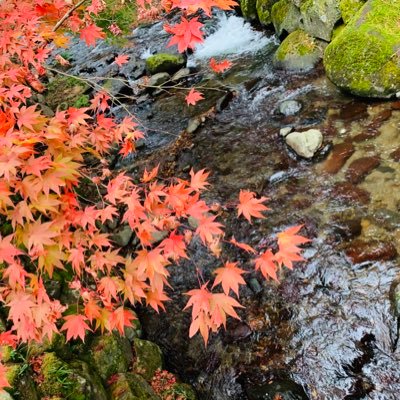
(249, 206)
(266, 264)
(91, 33)
(198, 180)
(193, 97)
(230, 277)
(75, 326)
(121, 60)
(221, 66)
(186, 34)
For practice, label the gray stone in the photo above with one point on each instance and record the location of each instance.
(159, 79)
(290, 107)
(122, 236)
(305, 144)
(286, 17)
(181, 74)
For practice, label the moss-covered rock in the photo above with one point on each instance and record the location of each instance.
(337, 31)
(148, 358)
(286, 17)
(363, 59)
(57, 344)
(130, 386)
(63, 92)
(348, 8)
(110, 354)
(264, 8)
(180, 391)
(298, 52)
(164, 62)
(249, 9)
(319, 17)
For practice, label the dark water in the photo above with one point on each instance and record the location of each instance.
(329, 330)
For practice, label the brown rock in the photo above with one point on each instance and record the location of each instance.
(395, 105)
(347, 192)
(360, 251)
(370, 133)
(380, 118)
(340, 153)
(353, 111)
(360, 168)
(396, 155)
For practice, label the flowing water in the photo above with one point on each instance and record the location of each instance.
(329, 330)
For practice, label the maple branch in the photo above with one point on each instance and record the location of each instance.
(67, 15)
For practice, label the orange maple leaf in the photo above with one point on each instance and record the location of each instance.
(220, 67)
(266, 264)
(75, 326)
(121, 59)
(186, 34)
(249, 206)
(243, 246)
(193, 97)
(230, 277)
(198, 180)
(91, 33)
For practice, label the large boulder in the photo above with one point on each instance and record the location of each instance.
(298, 52)
(363, 59)
(320, 17)
(348, 8)
(148, 358)
(164, 62)
(285, 17)
(249, 9)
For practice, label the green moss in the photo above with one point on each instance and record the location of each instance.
(348, 8)
(66, 92)
(130, 386)
(164, 62)
(249, 9)
(121, 13)
(148, 358)
(337, 31)
(363, 58)
(285, 16)
(82, 101)
(264, 11)
(180, 391)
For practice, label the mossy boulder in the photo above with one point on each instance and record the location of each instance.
(249, 9)
(131, 386)
(298, 52)
(58, 378)
(164, 62)
(63, 92)
(319, 17)
(285, 17)
(348, 8)
(148, 358)
(110, 354)
(363, 59)
(264, 8)
(180, 391)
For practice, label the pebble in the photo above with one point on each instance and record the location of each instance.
(290, 107)
(360, 168)
(306, 143)
(285, 131)
(340, 153)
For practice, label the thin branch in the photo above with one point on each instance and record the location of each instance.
(67, 15)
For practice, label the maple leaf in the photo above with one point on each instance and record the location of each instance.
(220, 67)
(121, 60)
(288, 239)
(207, 229)
(120, 318)
(243, 246)
(266, 264)
(198, 180)
(8, 251)
(148, 176)
(174, 246)
(249, 206)
(91, 33)
(193, 97)
(186, 34)
(76, 326)
(225, 4)
(230, 277)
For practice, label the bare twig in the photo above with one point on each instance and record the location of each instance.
(67, 15)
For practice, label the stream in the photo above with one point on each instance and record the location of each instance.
(329, 330)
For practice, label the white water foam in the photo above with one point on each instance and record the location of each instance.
(233, 36)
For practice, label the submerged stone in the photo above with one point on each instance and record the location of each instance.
(360, 168)
(363, 59)
(298, 52)
(340, 153)
(374, 250)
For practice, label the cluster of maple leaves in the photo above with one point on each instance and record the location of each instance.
(50, 227)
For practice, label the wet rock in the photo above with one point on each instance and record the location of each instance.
(164, 62)
(361, 167)
(159, 79)
(368, 134)
(237, 331)
(340, 153)
(277, 389)
(348, 192)
(361, 59)
(320, 17)
(122, 236)
(249, 9)
(193, 124)
(387, 219)
(286, 17)
(224, 101)
(148, 358)
(290, 107)
(298, 52)
(380, 118)
(285, 131)
(306, 143)
(110, 354)
(360, 250)
(347, 227)
(128, 386)
(181, 74)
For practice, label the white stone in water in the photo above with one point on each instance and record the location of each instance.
(306, 143)
(342, 131)
(285, 131)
